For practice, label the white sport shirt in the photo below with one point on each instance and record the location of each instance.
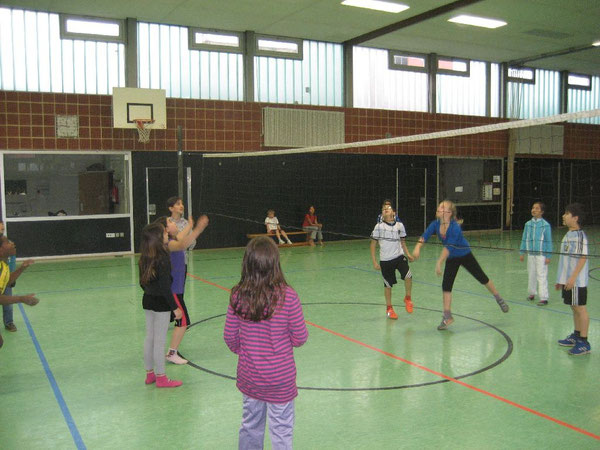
(389, 236)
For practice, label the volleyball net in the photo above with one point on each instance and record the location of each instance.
(347, 184)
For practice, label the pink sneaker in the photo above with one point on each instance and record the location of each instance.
(150, 377)
(163, 382)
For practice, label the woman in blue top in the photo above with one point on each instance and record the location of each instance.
(456, 253)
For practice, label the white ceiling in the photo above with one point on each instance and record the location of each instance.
(535, 27)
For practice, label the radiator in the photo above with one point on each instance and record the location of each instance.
(538, 140)
(286, 127)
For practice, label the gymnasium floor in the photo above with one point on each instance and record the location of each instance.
(72, 376)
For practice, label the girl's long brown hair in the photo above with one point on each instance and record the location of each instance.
(262, 285)
(152, 250)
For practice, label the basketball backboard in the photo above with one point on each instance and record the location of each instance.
(130, 104)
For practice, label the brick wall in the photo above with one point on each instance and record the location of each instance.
(27, 123)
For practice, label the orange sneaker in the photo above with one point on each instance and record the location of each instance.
(408, 304)
(391, 313)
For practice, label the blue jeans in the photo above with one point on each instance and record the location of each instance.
(7, 310)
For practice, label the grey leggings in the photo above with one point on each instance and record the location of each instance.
(314, 232)
(157, 324)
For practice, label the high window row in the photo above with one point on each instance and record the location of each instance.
(60, 53)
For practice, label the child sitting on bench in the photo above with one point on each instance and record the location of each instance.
(273, 227)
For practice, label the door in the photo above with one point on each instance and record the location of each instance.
(411, 195)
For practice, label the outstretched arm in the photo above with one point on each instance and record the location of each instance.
(184, 243)
(443, 257)
(17, 273)
(417, 250)
(431, 229)
(186, 230)
(28, 299)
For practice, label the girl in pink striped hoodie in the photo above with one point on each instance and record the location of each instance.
(264, 323)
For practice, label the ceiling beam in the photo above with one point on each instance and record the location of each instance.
(566, 51)
(410, 21)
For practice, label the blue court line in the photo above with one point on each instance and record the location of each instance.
(57, 393)
(464, 291)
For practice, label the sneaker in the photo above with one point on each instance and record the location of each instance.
(11, 327)
(176, 359)
(281, 242)
(408, 304)
(391, 313)
(530, 298)
(163, 382)
(502, 304)
(289, 242)
(445, 323)
(150, 377)
(569, 341)
(542, 303)
(580, 348)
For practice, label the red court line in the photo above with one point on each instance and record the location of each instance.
(208, 282)
(439, 374)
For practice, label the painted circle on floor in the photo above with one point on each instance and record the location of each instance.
(593, 276)
(504, 357)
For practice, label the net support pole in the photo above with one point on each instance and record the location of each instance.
(510, 180)
(425, 199)
(179, 162)
(558, 221)
(397, 190)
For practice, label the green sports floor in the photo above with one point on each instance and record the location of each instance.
(73, 375)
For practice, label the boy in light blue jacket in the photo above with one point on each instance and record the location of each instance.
(537, 244)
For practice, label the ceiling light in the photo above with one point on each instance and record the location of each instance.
(477, 21)
(596, 44)
(377, 5)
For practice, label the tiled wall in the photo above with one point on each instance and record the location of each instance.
(27, 122)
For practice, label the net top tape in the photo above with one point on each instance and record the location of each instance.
(419, 137)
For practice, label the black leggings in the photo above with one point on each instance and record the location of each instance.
(470, 263)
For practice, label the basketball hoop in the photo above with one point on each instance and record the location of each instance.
(143, 127)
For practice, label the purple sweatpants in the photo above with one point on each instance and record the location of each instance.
(281, 424)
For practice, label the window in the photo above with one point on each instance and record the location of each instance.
(452, 66)
(377, 85)
(278, 47)
(42, 185)
(407, 61)
(92, 29)
(464, 94)
(34, 57)
(528, 100)
(576, 81)
(166, 61)
(316, 79)
(521, 75)
(200, 39)
(585, 99)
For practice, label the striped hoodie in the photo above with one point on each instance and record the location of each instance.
(266, 370)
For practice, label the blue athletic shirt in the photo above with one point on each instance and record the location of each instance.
(454, 240)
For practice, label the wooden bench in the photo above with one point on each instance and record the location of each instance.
(289, 233)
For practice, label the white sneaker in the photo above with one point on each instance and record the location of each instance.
(289, 242)
(281, 242)
(176, 359)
